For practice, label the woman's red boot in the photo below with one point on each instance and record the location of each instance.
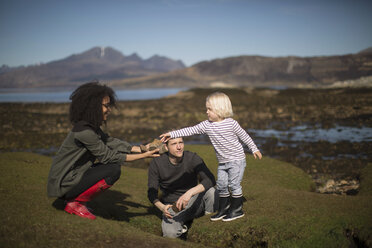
(79, 209)
(77, 205)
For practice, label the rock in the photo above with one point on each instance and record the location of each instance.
(342, 187)
(330, 183)
(343, 182)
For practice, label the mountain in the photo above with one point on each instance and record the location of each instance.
(5, 68)
(367, 50)
(98, 63)
(163, 64)
(112, 67)
(259, 71)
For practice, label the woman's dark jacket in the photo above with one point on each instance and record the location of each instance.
(82, 147)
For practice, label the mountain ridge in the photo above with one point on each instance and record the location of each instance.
(97, 63)
(113, 68)
(262, 71)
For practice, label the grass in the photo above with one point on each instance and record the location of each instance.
(280, 211)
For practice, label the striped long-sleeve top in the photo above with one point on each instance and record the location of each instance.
(224, 136)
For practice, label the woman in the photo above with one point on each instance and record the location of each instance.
(88, 161)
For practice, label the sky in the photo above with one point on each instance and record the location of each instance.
(40, 31)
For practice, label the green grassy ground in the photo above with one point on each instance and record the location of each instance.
(280, 211)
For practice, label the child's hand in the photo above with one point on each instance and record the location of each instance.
(165, 137)
(257, 155)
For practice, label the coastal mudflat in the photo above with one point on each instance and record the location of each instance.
(325, 132)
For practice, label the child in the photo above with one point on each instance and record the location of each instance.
(224, 134)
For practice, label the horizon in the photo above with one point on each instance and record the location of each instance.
(38, 32)
(134, 53)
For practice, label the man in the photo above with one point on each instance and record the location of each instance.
(185, 182)
(88, 162)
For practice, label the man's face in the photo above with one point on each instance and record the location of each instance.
(175, 147)
(106, 107)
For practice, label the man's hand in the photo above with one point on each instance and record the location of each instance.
(183, 200)
(164, 209)
(166, 212)
(257, 155)
(165, 137)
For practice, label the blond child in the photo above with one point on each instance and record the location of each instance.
(224, 134)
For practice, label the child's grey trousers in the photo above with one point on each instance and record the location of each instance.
(230, 176)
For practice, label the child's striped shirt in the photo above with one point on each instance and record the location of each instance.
(224, 136)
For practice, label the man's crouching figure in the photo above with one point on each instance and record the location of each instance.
(186, 183)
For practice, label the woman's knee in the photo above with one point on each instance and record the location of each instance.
(114, 174)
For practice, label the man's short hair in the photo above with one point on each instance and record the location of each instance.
(172, 139)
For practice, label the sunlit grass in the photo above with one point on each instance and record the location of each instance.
(280, 210)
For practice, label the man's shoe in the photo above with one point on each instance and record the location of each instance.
(79, 209)
(235, 210)
(223, 207)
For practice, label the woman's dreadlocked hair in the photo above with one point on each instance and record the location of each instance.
(86, 103)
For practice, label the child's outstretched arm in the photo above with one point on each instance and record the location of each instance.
(257, 154)
(165, 137)
(187, 131)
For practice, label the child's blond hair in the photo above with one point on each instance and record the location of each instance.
(220, 104)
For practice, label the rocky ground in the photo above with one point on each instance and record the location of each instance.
(42, 127)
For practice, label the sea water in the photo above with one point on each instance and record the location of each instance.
(305, 133)
(50, 95)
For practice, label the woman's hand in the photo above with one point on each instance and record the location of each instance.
(136, 156)
(152, 154)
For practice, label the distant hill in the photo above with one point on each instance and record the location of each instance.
(112, 67)
(367, 50)
(97, 63)
(257, 71)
